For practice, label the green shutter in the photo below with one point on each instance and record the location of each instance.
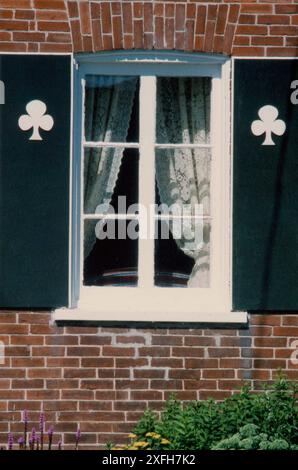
(34, 183)
(265, 194)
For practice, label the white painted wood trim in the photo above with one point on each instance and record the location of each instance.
(146, 180)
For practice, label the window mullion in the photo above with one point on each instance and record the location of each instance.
(146, 180)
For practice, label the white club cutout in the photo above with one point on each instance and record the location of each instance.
(36, 119)
(268, 124)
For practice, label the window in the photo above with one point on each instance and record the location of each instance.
(151, 189)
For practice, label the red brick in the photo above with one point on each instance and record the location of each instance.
(138, 34)
(117, 32)
(54, 26)
(26, 340)
(146, 395)
(51, 15)
(10, 25)
(12, 373)
(24, 15)
(85, 17)
(248, 51)
(180, 17)
(230, 384)
(114, 351)
(63, 362)
(200, 385)
(27, 384)
(98, 362)
(44, 373)
(127, 17)
(149, 373)
(14, 3)
(221, 19)
(73, 10)
(270, 342)
(233, 13)
(34, 318)
(251, 30)
(106, 23)
(291, 320)
(215, 394)
(137, 9)
(61, 340)
(273, 19)
(48, 351)
(247, 19)
(285, 330)
(166, 384)
(269, 364)
(255, 8)
(201, 19)
(215, 374)
(283, 30)
(6, 14)
(286, 9)
(267, 41)
(159, 32)
(83, 351)
(95, 406)
(49, 4)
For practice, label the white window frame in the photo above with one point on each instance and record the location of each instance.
(147, 303)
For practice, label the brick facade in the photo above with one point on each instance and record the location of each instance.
(105, 377)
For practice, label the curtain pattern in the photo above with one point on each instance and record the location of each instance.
(183, 175)
(108, 106)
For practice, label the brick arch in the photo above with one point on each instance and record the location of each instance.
(97, 26)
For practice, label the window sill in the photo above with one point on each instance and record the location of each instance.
(223, 319)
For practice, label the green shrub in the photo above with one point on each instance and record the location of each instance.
(246, 420)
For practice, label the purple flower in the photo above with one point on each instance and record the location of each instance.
(41, 422)
(50, 435)
(21, 442)
(78, 435)
(25, 417)
(33, 434)
(10, 441)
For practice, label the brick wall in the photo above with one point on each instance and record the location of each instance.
(252, 28)
(105, 377)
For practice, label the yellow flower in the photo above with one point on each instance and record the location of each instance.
(133, 448)
(156, 436)
(165, 441)
(141, 444)
(132, 435)
(149, 434)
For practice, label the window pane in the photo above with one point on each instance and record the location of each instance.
(111, 252)
(110, 180)
(183, 179)
(112, 109)
(182, 253)
(183, 110)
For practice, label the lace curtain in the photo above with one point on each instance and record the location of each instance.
(183, 175)
(108, 106)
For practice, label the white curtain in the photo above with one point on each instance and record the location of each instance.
(108, 106)
(183, 175)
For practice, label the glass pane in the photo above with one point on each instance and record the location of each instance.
(183, 110)
(183, 180)
(182, 253)
(112, 109)
(110, 180)
(111, 253)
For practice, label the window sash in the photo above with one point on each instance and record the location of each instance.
(219, 70)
